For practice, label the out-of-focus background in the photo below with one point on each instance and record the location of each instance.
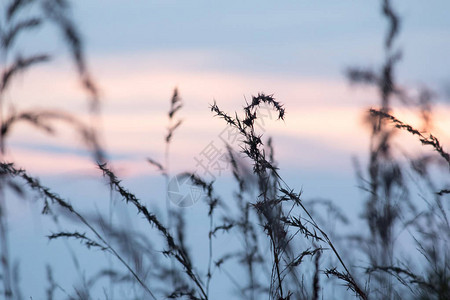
(138, 52)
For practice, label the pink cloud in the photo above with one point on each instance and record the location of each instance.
(136, 93)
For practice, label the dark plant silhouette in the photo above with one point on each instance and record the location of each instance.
(277, 205)
(391, 208)
(284, 249)
(16, 22)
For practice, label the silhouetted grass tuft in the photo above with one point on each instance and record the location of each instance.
(430, 140)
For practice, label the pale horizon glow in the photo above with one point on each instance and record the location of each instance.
(134, 119)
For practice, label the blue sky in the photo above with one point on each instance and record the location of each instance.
(292, 37)
(297, 50)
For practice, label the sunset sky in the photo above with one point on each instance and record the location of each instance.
(297, 51)
(226, 52)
